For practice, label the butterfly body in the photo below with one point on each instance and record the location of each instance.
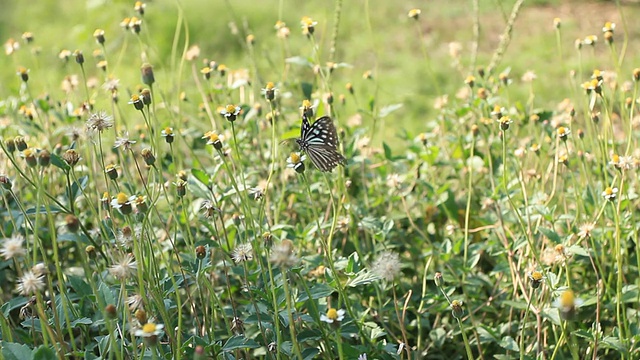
(320, 142)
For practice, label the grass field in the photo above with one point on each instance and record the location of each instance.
(157, 203)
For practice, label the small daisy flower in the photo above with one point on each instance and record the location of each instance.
(30, 283)
(13, 247)
(168, 134)
(296, 162)
(149, 329)
(125, 267)
(283, 255)
(137, 102)
(470, 80)
(149, 333)
(123, 141)
(414, 14)
(567, 303)
(242, 253)
(456, 309)
(529, 76)
(269, 91)
(505, 121)
(386, 265)
(586, 230)
(563, 133)
(498, 111)
(590, 40)
(557, 22)
(333, 315)
(308, 25)
(230, 112)
(123, 202)
(99, 121)
(535, 279)
(209, 209)
(608, 27)
(610, 193)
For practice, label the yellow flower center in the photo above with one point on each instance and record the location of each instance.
(332, 314)
(122, 198)
(270, 86)
(213, 137)
(222, 67)
(279, 25)
(567, 299)
(149, 328)
(231, 108)
(168, 131)
(135, 98)
(536, 275)
(608, 191)
(205, 70)
(105, 195)
(27, 152)
(140, 200)
(562, 130)
(560, 248)
(615, 158)
(295, 158)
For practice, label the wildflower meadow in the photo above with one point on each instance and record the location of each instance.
(359, 179)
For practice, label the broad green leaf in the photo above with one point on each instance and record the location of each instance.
(44, 353)
(318, 291)
(13, 351)
(239, 342)
(389, 109)
(59, 163)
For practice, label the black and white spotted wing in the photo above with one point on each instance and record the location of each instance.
(320, 142)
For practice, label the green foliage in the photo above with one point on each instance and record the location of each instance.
(487, 207)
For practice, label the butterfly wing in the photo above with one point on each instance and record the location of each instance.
(320, 141)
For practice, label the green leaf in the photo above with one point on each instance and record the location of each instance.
(59, 163)
(387, 151)
(13, 351)
(80, 286)
(43, 210)
(318, 291)
(78, 186)
(363, 277)
(239, 342)
(299, 60)
(508, 343)
(310, 353)
(614, 343)
(201, 176)
(307, 89)
(389, 109)
(81, 321)
(290, 135)
(44, 353)
(552, 235)
(353, 264)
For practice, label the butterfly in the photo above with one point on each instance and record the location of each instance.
(320, 142)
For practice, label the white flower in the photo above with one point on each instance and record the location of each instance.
(30, 283)
(125, 268)
(149, 329)
(386, 265)
(12, 247)
(333, 315)
(242, 252)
